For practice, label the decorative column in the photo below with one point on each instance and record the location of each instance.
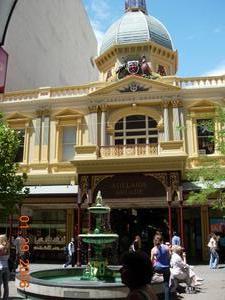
(37, 137)
(169, 200)
(166, 120)
(28, 133)
(79, 132)
(45, 136)
(92, 125)
(181, 113)
(103, 125)
(176, 120)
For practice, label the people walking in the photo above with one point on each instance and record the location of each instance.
(4, 268)
(18, 243)
(213, 247)
(136, 274)
(136, 245)
(160, 257)
(176, 239)
(70, 254)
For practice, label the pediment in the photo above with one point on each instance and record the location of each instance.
(16, 116)
(202, 105)
(67, 112)
(134, 84)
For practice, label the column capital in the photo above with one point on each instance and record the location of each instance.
(104, 107)
(165, 103)
(92, 109)
(176, 103)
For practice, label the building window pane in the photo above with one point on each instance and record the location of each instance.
(205, 136)
(135, 122)
(139, 129)
(119, 125)
(68, 143)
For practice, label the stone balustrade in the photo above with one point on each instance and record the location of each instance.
(50, 93)
(128, 150)
(199, 82)
(79, 91)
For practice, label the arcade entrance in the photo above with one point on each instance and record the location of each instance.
(145, 222)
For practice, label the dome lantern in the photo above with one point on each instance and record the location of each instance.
(135, 5)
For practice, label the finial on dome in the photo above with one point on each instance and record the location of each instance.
(135, 5)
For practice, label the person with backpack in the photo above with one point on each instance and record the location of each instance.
(70, 253)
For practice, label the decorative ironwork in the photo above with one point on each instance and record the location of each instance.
(96, 179)
(174, 181)
(161, 177)
(83, 185)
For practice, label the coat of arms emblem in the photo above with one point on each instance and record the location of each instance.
(133, 66)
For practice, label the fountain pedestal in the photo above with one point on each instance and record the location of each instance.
(98, 239)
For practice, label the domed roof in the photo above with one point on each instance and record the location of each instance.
(136, 27)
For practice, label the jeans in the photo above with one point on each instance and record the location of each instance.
(214, 259)
(4, 279)
(166, 277)
(70, 260)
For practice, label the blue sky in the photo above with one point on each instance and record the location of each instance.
(197, 28)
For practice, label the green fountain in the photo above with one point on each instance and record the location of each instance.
(97, 267)
(97, 280)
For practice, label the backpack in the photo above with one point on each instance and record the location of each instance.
(65, 250)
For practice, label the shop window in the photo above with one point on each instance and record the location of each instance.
(136, 129)
(68, 143)
(205, 136)
(20, 152)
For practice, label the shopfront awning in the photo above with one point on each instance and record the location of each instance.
(52, 189)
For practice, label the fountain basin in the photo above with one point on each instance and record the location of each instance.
(98, 238)
(67, 284)
(99, 209)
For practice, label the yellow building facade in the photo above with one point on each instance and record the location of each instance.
(132, 135)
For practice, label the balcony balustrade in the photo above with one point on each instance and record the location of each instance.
(128, 150)
(200, 82)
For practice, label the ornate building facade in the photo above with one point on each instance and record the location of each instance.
(132, 135)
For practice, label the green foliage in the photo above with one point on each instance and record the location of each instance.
(211, 173)
(11, 184)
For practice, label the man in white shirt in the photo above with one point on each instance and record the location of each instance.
(71, 254)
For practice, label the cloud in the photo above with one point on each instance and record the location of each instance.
(218, 70)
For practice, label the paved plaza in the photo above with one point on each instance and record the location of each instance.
(213, 286)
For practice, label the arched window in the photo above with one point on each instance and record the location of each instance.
(136, 129)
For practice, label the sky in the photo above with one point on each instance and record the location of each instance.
(197, 28)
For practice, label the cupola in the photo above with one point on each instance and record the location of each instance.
(134, 35)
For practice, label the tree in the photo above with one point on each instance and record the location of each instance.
(12, 190)
(211, 175)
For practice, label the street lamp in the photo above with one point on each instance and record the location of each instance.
(6, 10)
